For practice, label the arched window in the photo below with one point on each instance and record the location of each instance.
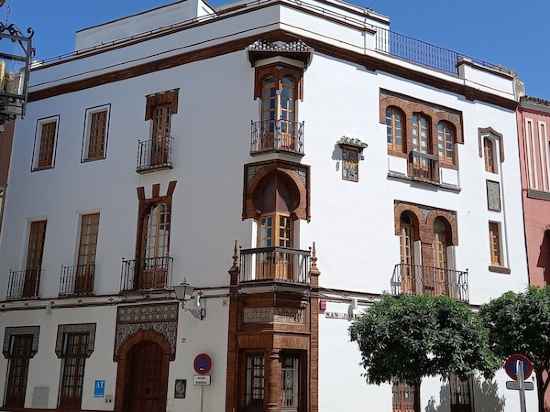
(446, 142)
(489, 154)
(157, 232)
(407, 239)
(395, 129)
(421, 139)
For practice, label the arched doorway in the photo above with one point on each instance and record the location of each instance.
(142, 376)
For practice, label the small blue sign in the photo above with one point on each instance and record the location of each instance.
(99, 389)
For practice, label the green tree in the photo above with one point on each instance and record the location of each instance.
(520, 323)
(407, 338)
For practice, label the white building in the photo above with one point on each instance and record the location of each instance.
(394, 156)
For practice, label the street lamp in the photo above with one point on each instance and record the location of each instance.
(16, 55)
(185, 292)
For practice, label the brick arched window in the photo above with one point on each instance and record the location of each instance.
(395, 126)
(446, 138)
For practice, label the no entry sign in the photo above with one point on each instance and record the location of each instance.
(202, 364)
(511, 366)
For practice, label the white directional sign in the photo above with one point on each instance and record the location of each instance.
(201, 380)
(514, 386)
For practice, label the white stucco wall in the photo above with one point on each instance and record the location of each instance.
(352, 223)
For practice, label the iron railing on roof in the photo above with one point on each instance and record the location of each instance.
(422, 53)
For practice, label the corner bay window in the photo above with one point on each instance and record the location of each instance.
(278, 89)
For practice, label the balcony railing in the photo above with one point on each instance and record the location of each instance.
(77, 280)
(24, 284)
(277, 135)
(146, 274)
(423, 166)
(428, 280)
(155, 154)
(277, 264)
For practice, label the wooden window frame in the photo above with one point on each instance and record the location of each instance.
(276, 229)
(416, 123)
(496, 250)
(490, 162)
(245, 396)
(442, 139)
(393, 147)
(87, 131)
(36, 166)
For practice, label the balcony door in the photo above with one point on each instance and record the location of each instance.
(410, 259)
(421, 144)
(275, 231)
(156, 240)
(278, 109)
(441, 246)
(160, 134)
(35, 252)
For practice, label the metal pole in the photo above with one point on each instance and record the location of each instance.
(521, 386)
(202, 399)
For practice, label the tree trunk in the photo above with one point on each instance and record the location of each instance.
(540, 389)
(417, 396)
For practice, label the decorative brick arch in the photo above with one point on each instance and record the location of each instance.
(415, 211)
(296, 174)
(123, 358)
(449, 217)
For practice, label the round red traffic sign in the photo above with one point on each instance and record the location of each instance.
(202, 364)
(511, 366)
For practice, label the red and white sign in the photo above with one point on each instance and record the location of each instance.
(202, 364)
(511, 366)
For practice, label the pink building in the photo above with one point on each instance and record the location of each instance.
(534, 145)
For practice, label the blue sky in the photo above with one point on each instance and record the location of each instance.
(514, 34)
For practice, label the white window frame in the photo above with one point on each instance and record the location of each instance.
(87, 126)
(38, 141)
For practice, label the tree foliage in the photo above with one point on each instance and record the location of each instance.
(520, 323)
(406, 338)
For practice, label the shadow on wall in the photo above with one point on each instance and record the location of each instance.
(486, 398)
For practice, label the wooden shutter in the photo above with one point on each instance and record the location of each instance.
(494, 239)
(35, 249)
(98, 132)
(47, 142)
(161, 123)
(89, 226)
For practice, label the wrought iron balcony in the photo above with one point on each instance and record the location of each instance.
(423, 166)
(417, 279)
(146, 274)
(278, 136)
(24, 284)
(77, 280)
(275, 264)
(155, 154)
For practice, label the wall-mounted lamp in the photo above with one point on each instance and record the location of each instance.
(185, 292)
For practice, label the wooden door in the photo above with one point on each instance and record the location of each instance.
(408, 268)
(160, 135)
(146, 385)
(441, 259)
(35, 252)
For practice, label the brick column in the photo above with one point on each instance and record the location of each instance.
(273, 381)
(314, 337)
